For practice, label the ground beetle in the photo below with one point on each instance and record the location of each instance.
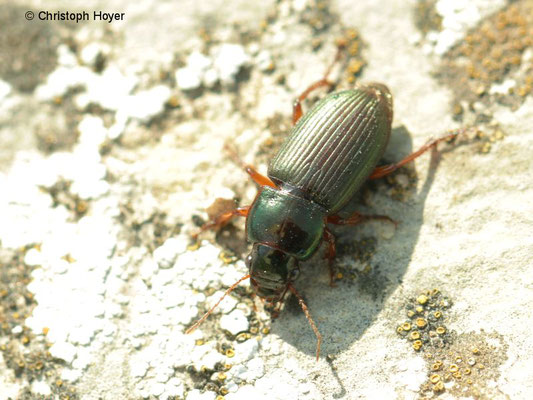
(331, 151)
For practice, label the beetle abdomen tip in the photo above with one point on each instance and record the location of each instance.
(381, 93)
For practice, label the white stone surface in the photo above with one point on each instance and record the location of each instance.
(90, 52)
(108, 89)
(5, 89)
(64, 351)
(145, 104)
(188, 78)
(234, 322)
(40, 387)
(166, 254)
(195, 394)
(228, 59)
(459, 16)
(222, 65)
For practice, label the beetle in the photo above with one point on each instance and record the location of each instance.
(311, 182)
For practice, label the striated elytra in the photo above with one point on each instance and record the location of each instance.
(335, 146)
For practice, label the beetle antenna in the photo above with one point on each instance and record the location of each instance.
(308, 316)
(207, 314)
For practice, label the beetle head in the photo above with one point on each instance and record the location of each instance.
(271, 271)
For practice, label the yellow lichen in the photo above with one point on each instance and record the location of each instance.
(421, 323)
(422, 299)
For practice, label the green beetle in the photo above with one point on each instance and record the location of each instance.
(311, 182)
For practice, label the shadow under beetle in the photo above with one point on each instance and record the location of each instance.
(331, 151)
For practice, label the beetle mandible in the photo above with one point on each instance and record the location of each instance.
(330, 152)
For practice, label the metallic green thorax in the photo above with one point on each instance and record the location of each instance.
(335, 146)
(286, 222)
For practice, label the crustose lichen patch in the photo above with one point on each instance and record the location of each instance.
(460, 364)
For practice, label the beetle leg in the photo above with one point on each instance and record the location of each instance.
(357, 218)
(297, 105)
(384, 170)
(330, 255)
(258, 178)
(223, 219)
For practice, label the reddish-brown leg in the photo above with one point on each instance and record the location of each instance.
(384, 170)
(258, 178)
(330, 255)
(297, 105)
(357, 218)
(223, 219)
(308, 316)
